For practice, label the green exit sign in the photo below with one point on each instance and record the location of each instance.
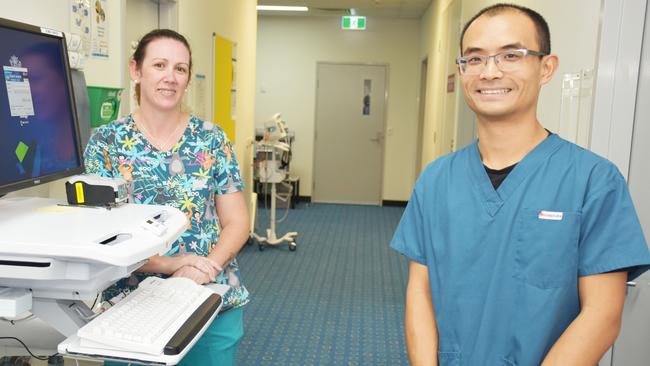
(353, 22)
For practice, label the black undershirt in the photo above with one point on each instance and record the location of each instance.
(498, 176)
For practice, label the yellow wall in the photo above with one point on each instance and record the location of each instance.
(223, 77)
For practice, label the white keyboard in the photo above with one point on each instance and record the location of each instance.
(160, 316)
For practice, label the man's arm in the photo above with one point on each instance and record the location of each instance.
(597, 325)
(421, 330)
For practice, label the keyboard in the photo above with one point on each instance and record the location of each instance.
(161, 316)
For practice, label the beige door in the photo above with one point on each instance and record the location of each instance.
(349, 136)
(141, 17)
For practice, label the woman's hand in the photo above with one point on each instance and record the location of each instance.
(169, 265)
(193, 274)
(203, 264)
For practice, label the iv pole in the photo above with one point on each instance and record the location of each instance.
(270, 172)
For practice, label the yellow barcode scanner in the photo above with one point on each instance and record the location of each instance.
(93, 190)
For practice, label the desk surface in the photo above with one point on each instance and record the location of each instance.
(64, 252)
(41, 228)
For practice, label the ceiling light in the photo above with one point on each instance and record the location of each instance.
(282, 8)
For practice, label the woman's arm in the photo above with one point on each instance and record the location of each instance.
(233, 218)
(170, 265)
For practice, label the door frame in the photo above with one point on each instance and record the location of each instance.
(615, 84)
(615, 88)
(384, 122)
(422, 101)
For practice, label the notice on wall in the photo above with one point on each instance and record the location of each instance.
(200, 96)
(451, 83)
(80, 26)
(99, 19)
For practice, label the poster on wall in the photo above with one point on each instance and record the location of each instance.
(451, 83)
(100, 29)
(200, 100)
(80, 25)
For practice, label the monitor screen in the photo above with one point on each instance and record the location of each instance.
(39, 132)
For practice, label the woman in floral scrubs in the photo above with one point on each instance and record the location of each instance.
(171, 158)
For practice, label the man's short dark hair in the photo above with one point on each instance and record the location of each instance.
(543, 33)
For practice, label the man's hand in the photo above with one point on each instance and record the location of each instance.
(420, 324)
(597, 325)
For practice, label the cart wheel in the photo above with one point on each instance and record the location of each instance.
(250, 240)
(293, 246)
(260, 246)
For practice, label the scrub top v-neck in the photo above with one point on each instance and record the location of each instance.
(498, 175)
(504, 264)
(495, 198)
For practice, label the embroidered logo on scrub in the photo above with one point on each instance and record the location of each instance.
(550, 215)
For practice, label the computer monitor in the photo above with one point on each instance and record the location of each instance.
(39, 130)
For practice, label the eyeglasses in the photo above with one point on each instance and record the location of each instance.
(505, 61)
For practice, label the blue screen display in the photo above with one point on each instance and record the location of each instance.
(38, 135)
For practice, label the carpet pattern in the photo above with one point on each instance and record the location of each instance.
(337, 300)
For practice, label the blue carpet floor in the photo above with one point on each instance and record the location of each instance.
(337, 300)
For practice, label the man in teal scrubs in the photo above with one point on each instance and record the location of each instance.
(520, 244)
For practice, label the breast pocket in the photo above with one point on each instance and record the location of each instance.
(547, 248)
(449, 358)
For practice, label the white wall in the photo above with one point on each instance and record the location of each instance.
(141, 16)
(288, 51)
(55, 14)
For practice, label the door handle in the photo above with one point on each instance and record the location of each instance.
(378, 137)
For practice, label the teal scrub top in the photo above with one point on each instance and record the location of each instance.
(504, 264)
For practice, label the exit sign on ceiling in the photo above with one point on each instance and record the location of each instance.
(353, 22)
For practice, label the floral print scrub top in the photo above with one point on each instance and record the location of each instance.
(186, 177)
